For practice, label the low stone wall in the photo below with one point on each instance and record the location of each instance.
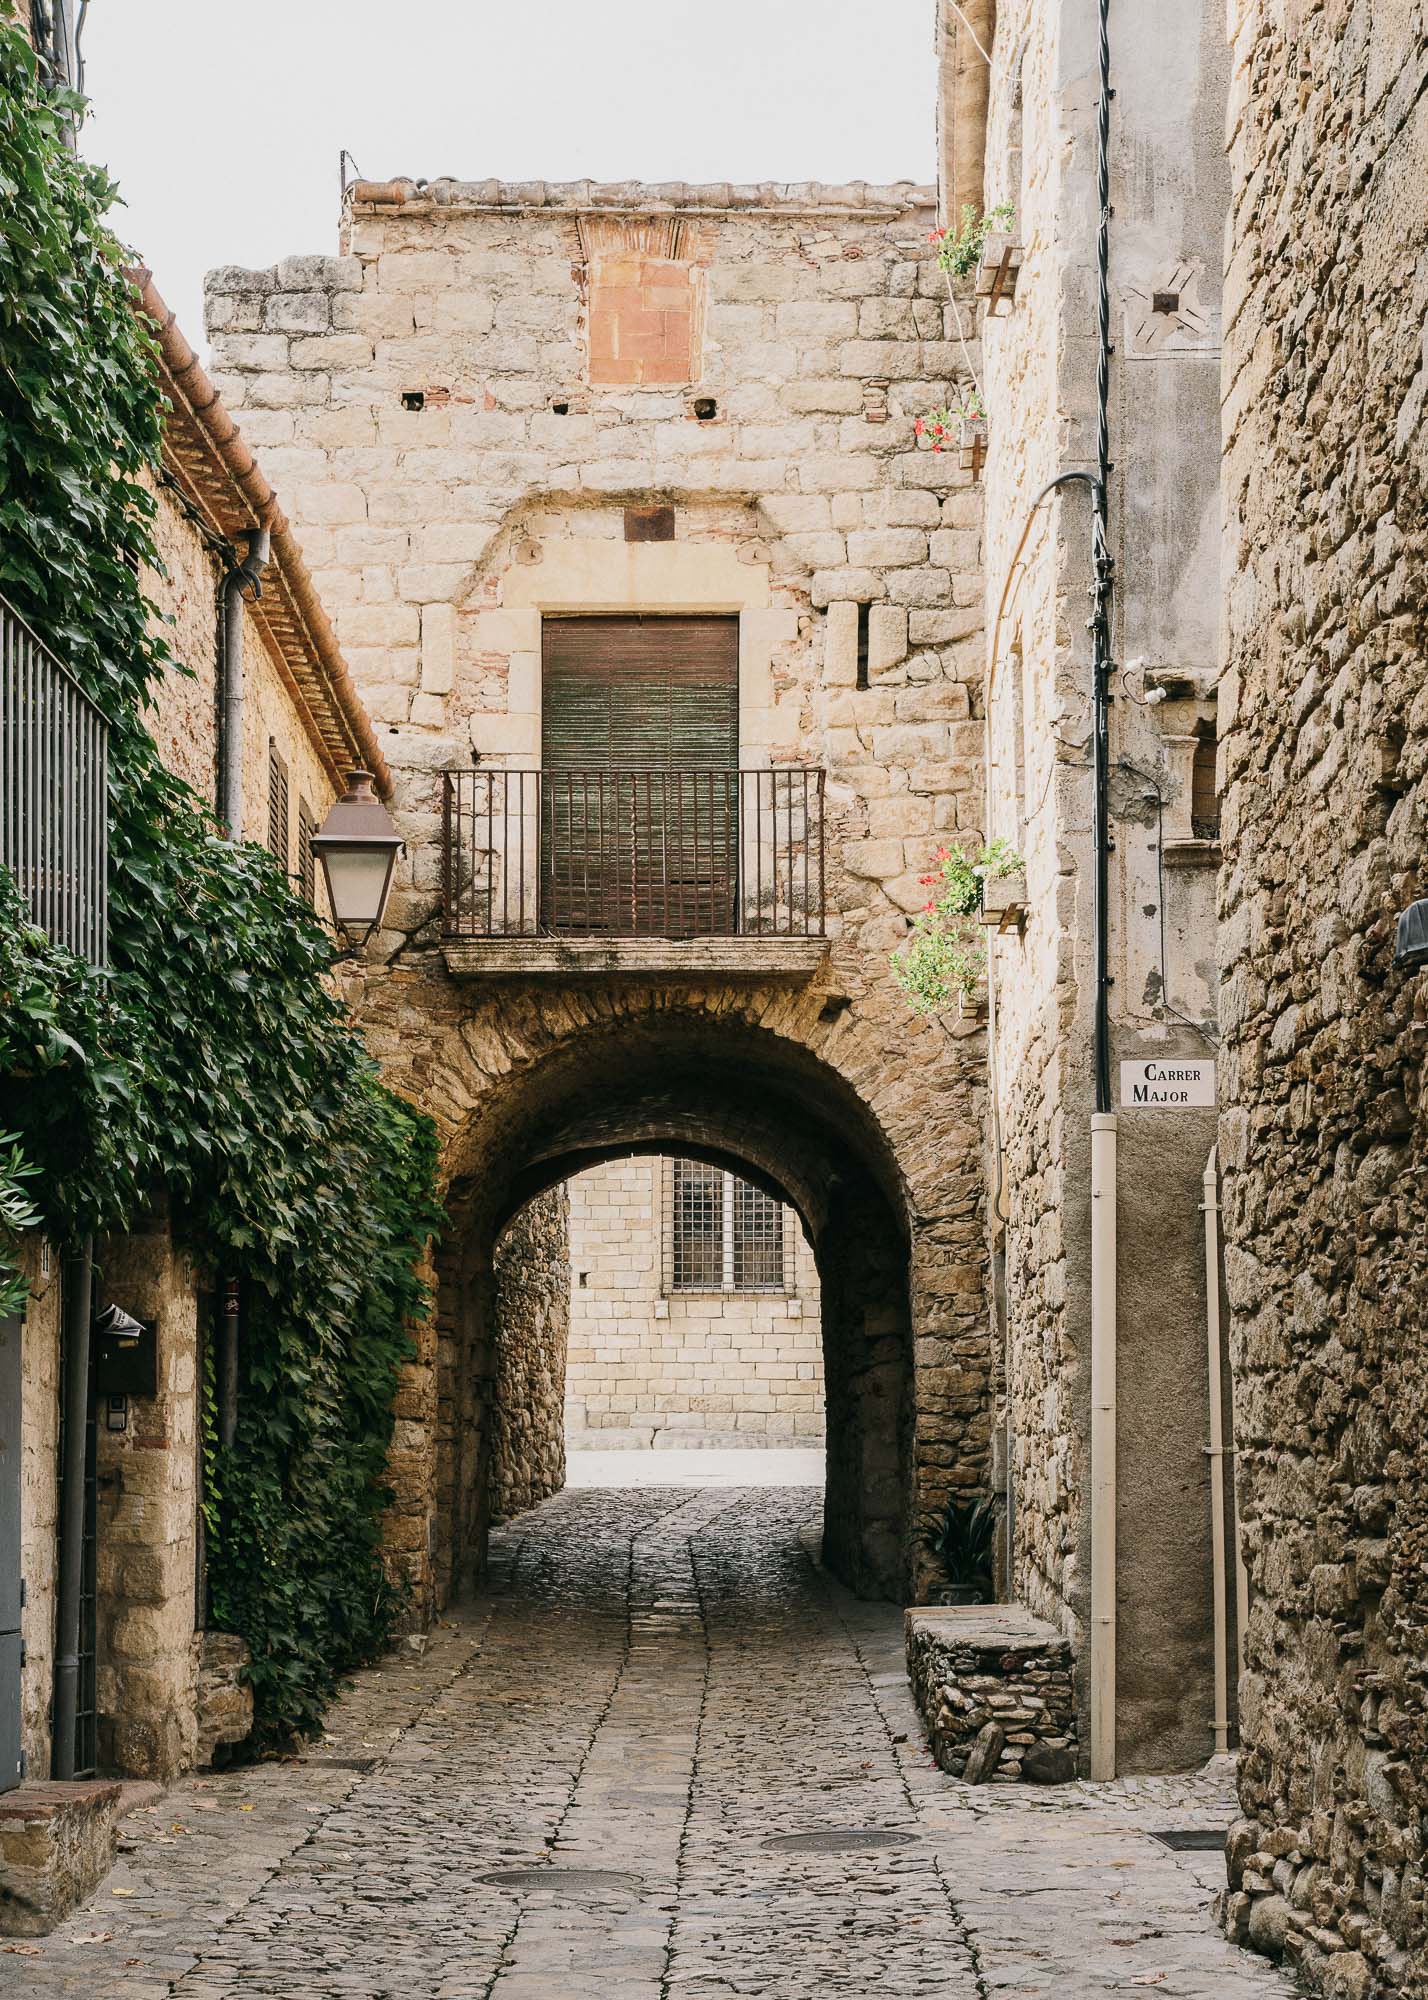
(57, 1843)
(993, 1687)
(224, 1698)
(532, 1321)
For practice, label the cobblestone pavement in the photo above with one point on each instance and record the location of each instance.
(593, 1782)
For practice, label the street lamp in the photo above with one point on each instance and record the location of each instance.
(1411, 948)
(358, 846)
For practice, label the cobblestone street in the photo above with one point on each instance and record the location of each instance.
(660, 1755)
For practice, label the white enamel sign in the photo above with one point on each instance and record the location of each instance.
(1168, 1083)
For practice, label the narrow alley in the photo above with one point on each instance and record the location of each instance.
(660, 1754)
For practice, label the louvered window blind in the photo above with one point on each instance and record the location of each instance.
(307, 859)
(277, 805)
(639, 751)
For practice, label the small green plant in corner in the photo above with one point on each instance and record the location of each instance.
(959, 251)
(962, 1542)
(946, 954)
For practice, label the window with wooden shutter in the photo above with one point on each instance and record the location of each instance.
(307, 859)
(277, 805)
(640, 751)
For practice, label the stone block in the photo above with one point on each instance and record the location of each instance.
(57, 1843)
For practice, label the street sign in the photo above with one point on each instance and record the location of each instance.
(1166, 1084)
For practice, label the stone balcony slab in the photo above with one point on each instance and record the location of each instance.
(698, 960)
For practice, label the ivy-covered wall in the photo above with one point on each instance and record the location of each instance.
(211, 1063)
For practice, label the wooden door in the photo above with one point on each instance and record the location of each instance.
(639, 754)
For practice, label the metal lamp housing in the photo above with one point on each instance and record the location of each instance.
(1411, 948)
(358, 845)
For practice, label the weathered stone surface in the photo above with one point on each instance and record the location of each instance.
(223, 1698)
(1324, 1127)
(993, 1685)
(57, 1843)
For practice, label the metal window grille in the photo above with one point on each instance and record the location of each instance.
(725, 1235)
(54, 792)
(277, 806)
(307, 858)
(757, 1247)
(698, 1227)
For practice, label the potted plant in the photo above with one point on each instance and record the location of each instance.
(944, 960)
(960, 250)
(962, 1542)
(1001, 872)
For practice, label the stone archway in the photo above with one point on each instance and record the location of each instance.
(529, 1085)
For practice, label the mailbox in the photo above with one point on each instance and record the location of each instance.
(125, 1353)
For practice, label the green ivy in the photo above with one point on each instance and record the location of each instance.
(210, 1062)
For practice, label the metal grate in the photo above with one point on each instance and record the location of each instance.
(626, 854)
(725, 1235)
(54, 792)
(757, 1246)
(698, 1252)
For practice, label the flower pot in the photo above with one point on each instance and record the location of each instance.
(974, 444)
(1003, 899)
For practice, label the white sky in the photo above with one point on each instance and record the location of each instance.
(222, 122)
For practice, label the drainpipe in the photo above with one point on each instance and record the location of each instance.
(1215, 1450)
(1103, 1120)
(78, 1312)
(245, 575)
(237, 581)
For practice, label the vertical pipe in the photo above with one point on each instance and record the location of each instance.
(1103, 1123)
(78, 1313)
(1103, 1445)
(1210, 1209)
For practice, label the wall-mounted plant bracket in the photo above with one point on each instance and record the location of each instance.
(1003, 906)
(997, 271)
(973, 431)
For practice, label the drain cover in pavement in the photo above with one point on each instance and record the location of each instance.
(578, 1883)
(1192, 1839)
(841, 1839)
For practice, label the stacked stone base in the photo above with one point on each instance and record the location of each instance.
(224, 1699)
(57, 1843)
(993, 1686)
(1284, 1902)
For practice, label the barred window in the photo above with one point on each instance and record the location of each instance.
(726, 1235)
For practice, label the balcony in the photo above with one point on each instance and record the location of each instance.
(54, 800)
(694, 874)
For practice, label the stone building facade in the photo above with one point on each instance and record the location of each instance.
(1031, 144)
(146, 1654)
(506, 408)
(1324, 733)
(665, 1354)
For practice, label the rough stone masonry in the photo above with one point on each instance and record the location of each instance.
(473, 411)
(1324, 733)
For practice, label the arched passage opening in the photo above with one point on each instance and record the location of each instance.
(723, 1092)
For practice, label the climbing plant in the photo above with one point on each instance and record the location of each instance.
(210, 1063)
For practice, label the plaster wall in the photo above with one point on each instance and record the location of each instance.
(1167, 195)
(39, 1495)
(653, 1365)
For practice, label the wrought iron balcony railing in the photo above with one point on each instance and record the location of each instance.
(633, 854)
(54, 783)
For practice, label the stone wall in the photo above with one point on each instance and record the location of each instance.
(994, 1688)
(456, 477)
(532, 1324)
(183, 716)
(653, 1365)
(40, 1349)
(1040, 379)
(1324, 1129)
